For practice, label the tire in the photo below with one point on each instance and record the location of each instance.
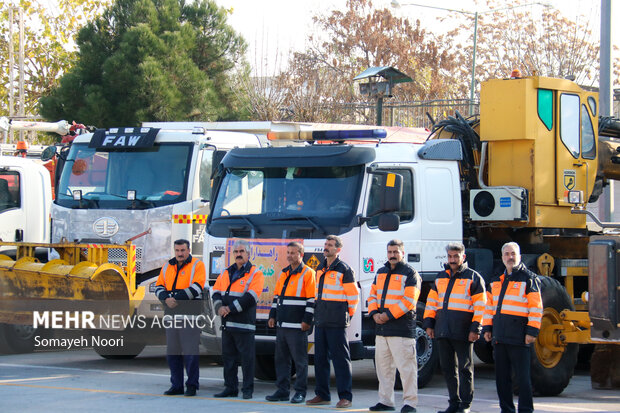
(484, 351)
(265, 367)
(130, 348)
(552, 370)
(428, 357)
(17, 339)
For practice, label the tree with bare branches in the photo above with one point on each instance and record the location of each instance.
(535, 40)
(353, 40)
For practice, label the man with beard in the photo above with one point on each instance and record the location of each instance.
(391, 304)
(336, 299)
(453, 316)
(235, 295)
(512, 322)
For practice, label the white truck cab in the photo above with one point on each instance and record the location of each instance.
(271, 196)
(25, 200)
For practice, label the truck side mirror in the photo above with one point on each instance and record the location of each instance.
(384, 200)
(218, 173)
(388, 222)
(48, 153)
(218, 155)
(390, 191)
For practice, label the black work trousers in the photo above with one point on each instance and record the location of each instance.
(509, 358)
(456, 359)
(238, 346)
(331, 343)
(291, 344)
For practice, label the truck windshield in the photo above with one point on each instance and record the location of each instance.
(277, 199)
(157, 174)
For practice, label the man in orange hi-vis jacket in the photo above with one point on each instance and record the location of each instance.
(512, 322)
(453, 316)
(291, 313)
(179, 287)
(336, 299)
(235, 295)
(391, 303)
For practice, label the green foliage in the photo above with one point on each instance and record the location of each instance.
(49, 34)
(151, 60)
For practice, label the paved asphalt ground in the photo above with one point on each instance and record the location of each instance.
(68, 381)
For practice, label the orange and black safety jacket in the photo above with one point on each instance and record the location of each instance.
(293, 301)
(514, 306)
(182, 281)
(395, 292)
(337, 294)
(239, 289)
(456, 304)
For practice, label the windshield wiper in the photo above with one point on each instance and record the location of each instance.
(86, 203)
(246, 219)
(302, 217)
(143, 203)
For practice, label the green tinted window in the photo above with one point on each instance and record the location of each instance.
(545, 107)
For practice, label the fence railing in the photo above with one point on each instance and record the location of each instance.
(407, 114)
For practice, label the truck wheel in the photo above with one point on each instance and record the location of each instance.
(484, 350)
(109, 347)
(428, 358)
(15, 339)
(128, 352)
(552, 368)
(265, 367)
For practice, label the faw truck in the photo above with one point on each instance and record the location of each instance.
(523, 171)
(122, 197)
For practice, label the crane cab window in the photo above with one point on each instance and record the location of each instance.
(588, 141)
(569, 123)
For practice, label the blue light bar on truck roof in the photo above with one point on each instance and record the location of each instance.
(329, 135)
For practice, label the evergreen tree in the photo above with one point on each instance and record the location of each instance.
(151, 60)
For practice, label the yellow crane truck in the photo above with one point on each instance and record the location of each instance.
(532, 162)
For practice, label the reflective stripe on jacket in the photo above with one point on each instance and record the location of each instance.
(184, 283)
(395, 292)
(240, 294)
(293, 301)
(337, 294)
(456, 303)
(514, 306)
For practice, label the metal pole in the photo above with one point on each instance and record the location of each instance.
(22, 103)
(379, 110)
(11, 67)
(472, 87)
(605, 95)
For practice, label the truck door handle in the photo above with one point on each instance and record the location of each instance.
(413, 257)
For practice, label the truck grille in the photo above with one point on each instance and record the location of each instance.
(118, 256)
